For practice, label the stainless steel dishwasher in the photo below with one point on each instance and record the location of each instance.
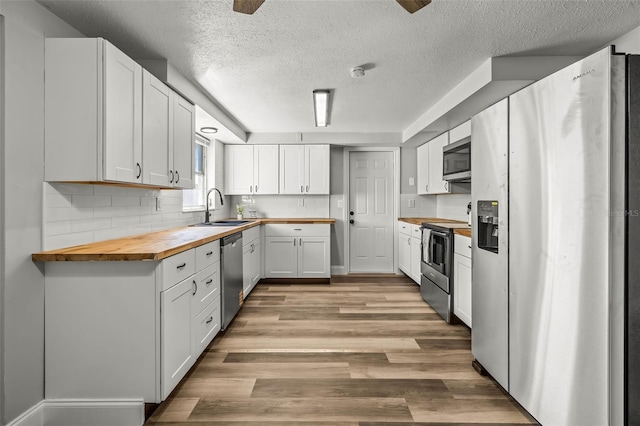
(231, 293)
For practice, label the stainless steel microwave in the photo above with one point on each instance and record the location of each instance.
(456, 161)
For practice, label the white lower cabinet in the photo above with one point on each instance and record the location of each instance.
(462, 278)
(251, 259)
(410, 249)
(141, 326)
(297, 251)
(176, 356)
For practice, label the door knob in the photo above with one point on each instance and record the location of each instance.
(351, 213)
(351, 221)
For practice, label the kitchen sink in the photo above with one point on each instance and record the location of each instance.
(230, 222)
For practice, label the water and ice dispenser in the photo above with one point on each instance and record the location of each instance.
(488, 225)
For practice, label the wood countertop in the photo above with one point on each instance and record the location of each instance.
(464, 232)
(157, 245)
(458, 226)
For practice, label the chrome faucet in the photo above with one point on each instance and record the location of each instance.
(206, 213)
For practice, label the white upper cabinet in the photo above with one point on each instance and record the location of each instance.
(265, 169)
(122, 116)
(430, 166)
(436, 184)
(251, 169)
(157, 130)
(94, 107)
(183, 143)
(304, 169)
(460, 132)
(423, 169)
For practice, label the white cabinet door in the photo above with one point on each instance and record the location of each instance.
(313, 257)
(265, 169)
(176, 356)
(238, 169)
(436, 184)
(184, 143)
(316, 161)
(281, 257)
(415, 258)
(404, 253)
(292, 169)
(256, 263)
(122, 117)
(462, 288)
(423, 169)
(157, 111)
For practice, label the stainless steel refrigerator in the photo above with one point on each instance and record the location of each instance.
(551, 238)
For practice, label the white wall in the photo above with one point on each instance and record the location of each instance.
(26, 26)
(628, 43)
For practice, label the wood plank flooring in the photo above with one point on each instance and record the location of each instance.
(362, 351)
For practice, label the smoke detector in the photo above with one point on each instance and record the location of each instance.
(357, 72)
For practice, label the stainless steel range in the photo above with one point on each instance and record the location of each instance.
(436, 279)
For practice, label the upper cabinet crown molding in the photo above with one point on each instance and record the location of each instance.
(94, 106)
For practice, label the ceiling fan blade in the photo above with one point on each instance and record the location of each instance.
(246, 6)
(412, 6)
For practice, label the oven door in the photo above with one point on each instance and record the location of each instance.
(435, 250)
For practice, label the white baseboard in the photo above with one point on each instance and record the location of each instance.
(338, 270)
(32, 417)
(83, 412)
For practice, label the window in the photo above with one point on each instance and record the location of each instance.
(194, 199)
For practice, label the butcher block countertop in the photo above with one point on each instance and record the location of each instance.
(157, 245)
(459, 227)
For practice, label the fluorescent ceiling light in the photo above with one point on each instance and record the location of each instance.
(321, 107)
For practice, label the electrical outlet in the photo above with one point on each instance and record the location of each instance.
(412, 181)
(158, 204)
(412, 204)
(340, 204)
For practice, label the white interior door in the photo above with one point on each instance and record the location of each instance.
(371, 210)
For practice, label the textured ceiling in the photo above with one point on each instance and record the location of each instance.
(262, 68)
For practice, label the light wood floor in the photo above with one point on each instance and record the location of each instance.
(361, 351)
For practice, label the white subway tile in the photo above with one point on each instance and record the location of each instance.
(151, 218)
(141, 192)
(103, 212)
(81, 213)
(110, 190)
(125, 221)
(91, 200)
(72, 188)
(57, 228)
(67, 240)
(56, 199)
(148, 201)
(90, 224)
(125, 201)
(110, 234)
(139, 210)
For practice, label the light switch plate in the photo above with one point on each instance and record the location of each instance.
(158, 204)
(412, 203)
(340, 204)
(412, 181)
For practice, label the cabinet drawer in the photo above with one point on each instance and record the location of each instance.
(206, 326)
(250, 234)
(404, 228)
(416, 231)
(178, 267)
(462, 245)
(297, 229)
(207, 287)
(207, 254)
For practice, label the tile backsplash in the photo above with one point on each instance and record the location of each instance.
(283, 205)
(81, 213)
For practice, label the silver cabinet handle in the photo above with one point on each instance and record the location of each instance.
(181, 266)
(427, 188)
(250, 188)
(139, 170)
(195, 290)
(300, 241)
(409, 241)
(294, 242)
